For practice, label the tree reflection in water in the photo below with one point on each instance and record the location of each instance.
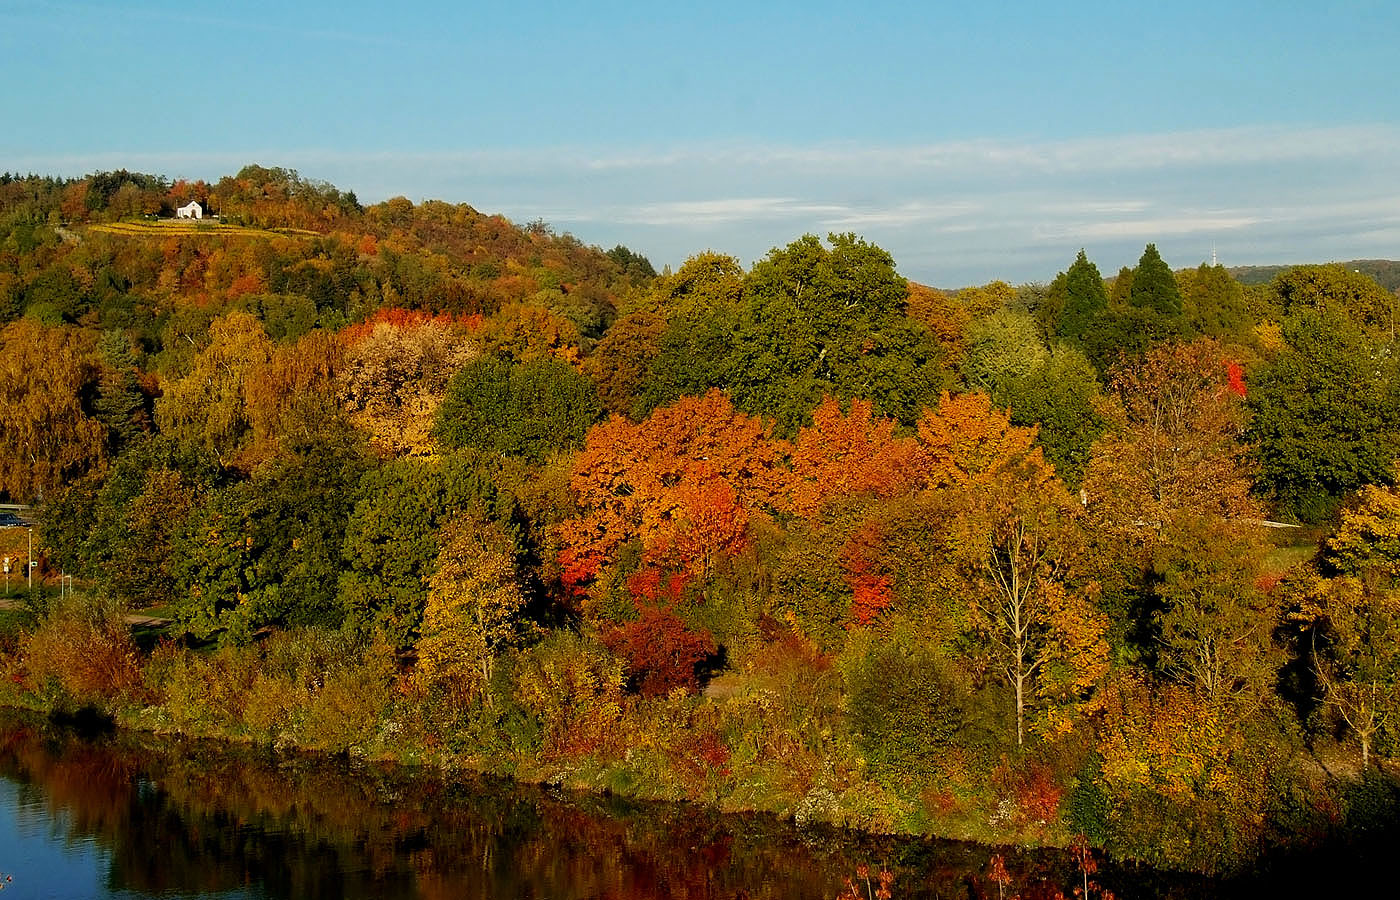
(196, 818)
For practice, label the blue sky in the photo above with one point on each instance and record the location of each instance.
(972, 143)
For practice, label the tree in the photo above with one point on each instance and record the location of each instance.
(528, 410)
(208, 406)
(1059, 395)
(120, 405)
(661, 651)
(391, 540)
(1172, 448)
(700, 304)
(621, 361)
(1351, 634)
(635, 266)
(1334, 289)
(811, 322)
(473, 607)
(1001, 347)
(844, 454)
(946, 318)
(1154, 287)
(395, 374)
(1367, 541)
(1045, 639)
(1213, 303)
(119, 528)
(634, 482)
(524, 332)
(1326, 414)
(1214, 626)
(48, 436)
(266, 551)
(969, 442)
(1079, 296)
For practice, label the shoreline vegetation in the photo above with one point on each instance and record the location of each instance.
(417, 483)
(142, 796)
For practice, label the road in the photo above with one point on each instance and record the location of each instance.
(136, 620)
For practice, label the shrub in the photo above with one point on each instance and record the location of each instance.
(904, 703)
(573, 688)
(661, 653)
(84, 646)
(204, 694)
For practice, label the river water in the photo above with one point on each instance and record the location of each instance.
(131, 815)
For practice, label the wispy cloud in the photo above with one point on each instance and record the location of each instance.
(1144, 229)
(723, 211)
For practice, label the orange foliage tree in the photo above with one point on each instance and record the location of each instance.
(970, 442)
(683, 482)
(845, 454)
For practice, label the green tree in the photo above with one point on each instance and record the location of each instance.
(1214, 305)
(118, 528)
(1060, 394)
(1336, 289)
(905, 703)
(1078, 298)
(391, 541)
(527, 410)
(1326, 414)
(621, 361)
(692, 355)
(1003, 346)
(120, 405)
(267, 550)
(816, 322)
(1154, 287)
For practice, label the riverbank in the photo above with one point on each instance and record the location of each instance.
(774, 738)
(770, 740)
(199, 817)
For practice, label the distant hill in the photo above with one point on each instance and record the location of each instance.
(1385, 271)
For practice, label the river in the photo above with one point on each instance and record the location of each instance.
(134, 815)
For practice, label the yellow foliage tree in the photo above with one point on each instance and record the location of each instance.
(46, 439)
(208, 406)
(1368, 538)
(968, 442)
(393, 381)
(473, 609)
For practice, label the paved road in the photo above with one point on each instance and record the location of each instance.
(137, 620)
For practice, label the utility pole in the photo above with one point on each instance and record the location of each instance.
(29, 563)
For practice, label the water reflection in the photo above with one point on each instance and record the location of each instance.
(153, 816)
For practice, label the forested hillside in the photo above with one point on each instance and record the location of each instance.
(1386, 272)
(413, 481)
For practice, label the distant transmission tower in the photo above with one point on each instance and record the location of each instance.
(1213, 261)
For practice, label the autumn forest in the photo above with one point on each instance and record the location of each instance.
(1115, 558)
